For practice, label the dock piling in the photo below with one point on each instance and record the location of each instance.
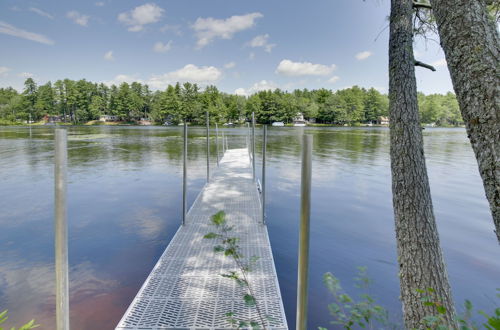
(253, 145)
(305, 211)
(264, 147)
(208, 147)
(184, 176)
(217, 142)
(61, 230)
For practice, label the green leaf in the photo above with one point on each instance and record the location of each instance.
(441, 309)
(218, 248)
(249, 300)
(219, 218)
(211, 236)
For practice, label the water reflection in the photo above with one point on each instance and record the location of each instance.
(124, 206)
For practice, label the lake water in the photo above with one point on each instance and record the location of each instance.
(124, 206)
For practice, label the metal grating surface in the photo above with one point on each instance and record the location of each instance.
(185, 289)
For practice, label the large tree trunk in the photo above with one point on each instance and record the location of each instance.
(472, 47)
(420, 258)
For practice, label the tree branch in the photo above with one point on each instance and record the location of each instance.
(427, 66)
(417, 4)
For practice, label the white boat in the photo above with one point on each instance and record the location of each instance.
(278, 123)
(299, 124)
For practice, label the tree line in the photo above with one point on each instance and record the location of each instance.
(82, 101)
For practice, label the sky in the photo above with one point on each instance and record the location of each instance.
(239, 46)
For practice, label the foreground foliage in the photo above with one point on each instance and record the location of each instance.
(30, 325)
(351, 313)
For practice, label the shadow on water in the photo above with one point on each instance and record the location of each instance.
(124, 204)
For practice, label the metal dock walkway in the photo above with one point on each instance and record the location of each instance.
(185, 290)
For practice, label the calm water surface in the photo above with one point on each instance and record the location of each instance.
(124, 206)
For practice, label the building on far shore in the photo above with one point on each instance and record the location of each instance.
(106, 118)
(383, 120)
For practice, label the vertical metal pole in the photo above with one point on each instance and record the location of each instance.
(305, 211)
(29, 124)
(61, 230)
(217, 142)
(253, 145)
(184, 175)
(208, 147)
(264, 147)
(223, 144)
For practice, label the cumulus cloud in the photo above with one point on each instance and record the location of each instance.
(440, 62)
(142, 15)
(78, 18)
(109, 56)
(363, 55)
(262, 85)
(9, 29)
(189, 73)
(289, 68)
(207, 29)
(333, 79)
(229, 65)
(262, 41)
(4, 70)
(26, 75)
(160, 47)
(40, 12)
(121, 78)
(202, 75)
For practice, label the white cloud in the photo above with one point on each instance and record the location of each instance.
(207, 29)
(6, 28)
(262, 41)
(109, 56)
(4, 70)
(229, 65)
(363, 55)
(251, 56)
(99, 4)
(121, 78)
(189, 73)
(41, 12)
(440, 62)
(160, 47)
(26, 75)
(333, 79)
(78, 18)
(262, 85)
(289, 68)
(139, 16)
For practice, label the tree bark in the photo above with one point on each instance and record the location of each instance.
(471, 45)
(420, 258)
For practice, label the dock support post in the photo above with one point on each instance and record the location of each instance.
(217, 142)
(61, 230)
(208, 147)
(184, 175)
(253, 145)
(223, 144)
(264, 147)
(305, 211)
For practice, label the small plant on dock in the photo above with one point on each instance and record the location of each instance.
(30, 325)
(230, 248)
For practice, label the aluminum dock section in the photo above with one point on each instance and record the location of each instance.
(185, 289)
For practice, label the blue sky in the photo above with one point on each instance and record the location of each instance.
(240, 46)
